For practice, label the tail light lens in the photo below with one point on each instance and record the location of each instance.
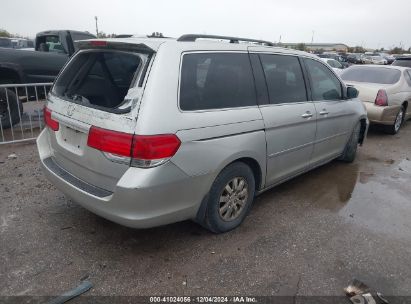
(142, 151)
(153, 150)
(113, 142)
(50, 122)
(381, 99)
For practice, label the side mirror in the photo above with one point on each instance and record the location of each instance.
(352, 92)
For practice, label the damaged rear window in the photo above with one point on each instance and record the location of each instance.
(98, 78)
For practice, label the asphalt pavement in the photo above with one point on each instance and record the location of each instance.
(309, 236)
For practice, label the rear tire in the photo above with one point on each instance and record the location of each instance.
(230, 198)
(399, 120)
(9, 114)
(350, 150)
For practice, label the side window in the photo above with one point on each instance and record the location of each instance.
(324, 84)
(215, 81)
(284, 78)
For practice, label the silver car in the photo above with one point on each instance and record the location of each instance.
(150, 131)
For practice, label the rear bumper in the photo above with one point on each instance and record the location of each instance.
(142, 198)
(381, 115)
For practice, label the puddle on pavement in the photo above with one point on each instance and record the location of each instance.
(374, 195)
(379, 202)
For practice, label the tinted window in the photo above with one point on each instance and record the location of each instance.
(402, 62)
(284, 78)
(216, 80)
(371, 74)
(98, 78)
(324, 84)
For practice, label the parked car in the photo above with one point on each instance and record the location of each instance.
(377, 59)
(390, 58)
(52, 50)
(366, 59)
(385, 91)
(336, 57)
(336, 66)
(354, 58)
(22, 43)
(404, 61)
(147, 132)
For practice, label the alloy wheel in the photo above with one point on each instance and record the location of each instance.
(233, 199)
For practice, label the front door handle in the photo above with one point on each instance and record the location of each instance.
(307, 115)
(324, 112)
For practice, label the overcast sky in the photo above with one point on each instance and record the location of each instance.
(371, 23)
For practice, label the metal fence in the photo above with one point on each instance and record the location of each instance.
(21, 111)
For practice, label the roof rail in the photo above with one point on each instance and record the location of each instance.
(194, 37)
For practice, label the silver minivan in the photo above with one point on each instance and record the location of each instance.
(151, 131)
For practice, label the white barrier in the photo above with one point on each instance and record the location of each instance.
(21, 111)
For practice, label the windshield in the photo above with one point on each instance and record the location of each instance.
(371, 75)
(99, 78)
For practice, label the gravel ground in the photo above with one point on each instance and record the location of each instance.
(309, 236)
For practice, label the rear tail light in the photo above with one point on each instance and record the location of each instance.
(381, 99)
(117, 143)
(142, 151)
(50, 122)
(153, 150)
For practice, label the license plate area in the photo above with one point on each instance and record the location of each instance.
(72, 139)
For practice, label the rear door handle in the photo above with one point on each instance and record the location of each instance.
(307, 115)
(324, 112)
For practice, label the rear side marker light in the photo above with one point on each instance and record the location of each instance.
(381, 99)
(50, 122)
(142, 151)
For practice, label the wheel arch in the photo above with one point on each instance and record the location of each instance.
(8, 75)
(258, 173)
(405, 105)
(363, 130)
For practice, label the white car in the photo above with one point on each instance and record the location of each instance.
(336, 66)
(376, 59)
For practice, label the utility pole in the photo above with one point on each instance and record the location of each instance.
(312, 37)
(95, 17)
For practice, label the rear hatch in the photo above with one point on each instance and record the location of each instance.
(99, 89)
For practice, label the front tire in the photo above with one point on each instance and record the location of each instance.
(399, 120)
(350, 150)
(230, 198)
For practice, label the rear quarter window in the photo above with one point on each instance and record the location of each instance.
(215, 81)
